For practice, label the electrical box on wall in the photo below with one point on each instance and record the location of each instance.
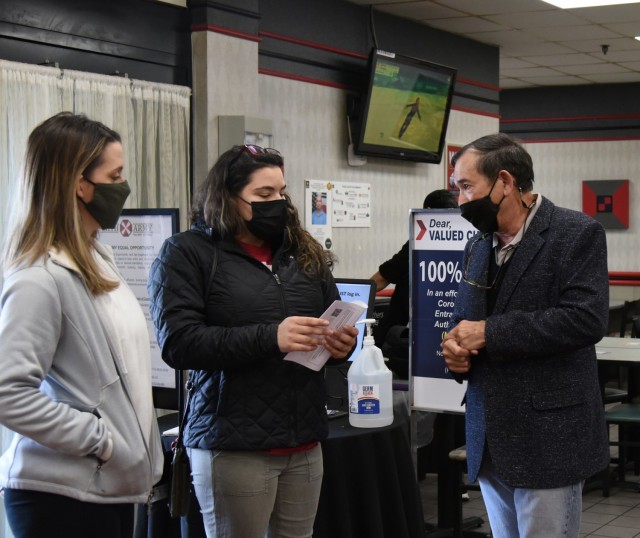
(239, 130)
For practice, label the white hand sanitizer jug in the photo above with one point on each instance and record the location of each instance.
(370, 386)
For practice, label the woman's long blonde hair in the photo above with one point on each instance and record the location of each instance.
(46, 212)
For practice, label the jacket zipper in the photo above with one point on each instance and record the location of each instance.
(292, 422)
(279, 284)
(116, 361)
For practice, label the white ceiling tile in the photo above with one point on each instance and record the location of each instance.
(604, 15)
(633, 66)
(536, 49)
(514, 83)
(537, 19)
(558, 80)
(594, 45)
(629, 29)
(592, 69)
(569, 33)
(489, 7)
(614, 78)
(504, 38)
(623, 55)
(561, 59)
(529, 72)
(514, 63)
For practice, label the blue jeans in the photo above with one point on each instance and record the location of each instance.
(530, 513)
(254, 494)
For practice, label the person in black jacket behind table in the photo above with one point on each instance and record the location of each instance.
(255, 421)
(396, 271)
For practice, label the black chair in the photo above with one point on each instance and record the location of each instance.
(380, 308)
(613, 383)
(627, 418)
(461, 526)
(396, 349)
(451, 468)
(613, 378)
(630, 309)
(615, 320)
(635, 327)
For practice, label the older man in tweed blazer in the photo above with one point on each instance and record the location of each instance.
(531, 306)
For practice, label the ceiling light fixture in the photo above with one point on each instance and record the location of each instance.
(571, 4)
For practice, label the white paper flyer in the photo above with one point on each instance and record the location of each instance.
(339, 314)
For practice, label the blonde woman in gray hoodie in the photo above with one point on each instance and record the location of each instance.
(75, 379)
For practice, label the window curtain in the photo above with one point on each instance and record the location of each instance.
(152, 119)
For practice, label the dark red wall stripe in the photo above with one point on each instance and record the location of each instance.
(221, 30)
(312, 45)
(575, 118)
(524, 138)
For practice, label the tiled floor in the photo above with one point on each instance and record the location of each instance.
(617, 516)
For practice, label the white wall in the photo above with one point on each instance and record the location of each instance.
(310, 129)
(561, 167)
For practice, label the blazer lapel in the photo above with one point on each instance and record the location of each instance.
(530, 244)
(478, 271)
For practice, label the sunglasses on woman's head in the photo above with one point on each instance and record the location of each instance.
(254, 151)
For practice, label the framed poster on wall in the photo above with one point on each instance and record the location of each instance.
(452, 149)
(136, 240)
(607, 201)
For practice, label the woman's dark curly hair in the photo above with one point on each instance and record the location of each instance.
(214, 203)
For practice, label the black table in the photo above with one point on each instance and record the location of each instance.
(369, 487)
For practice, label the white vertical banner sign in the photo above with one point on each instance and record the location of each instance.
(436, 246)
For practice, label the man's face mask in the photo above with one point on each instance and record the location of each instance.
(483, 212)
(107, 203)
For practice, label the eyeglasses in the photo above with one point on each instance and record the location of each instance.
(254, 151)
(470, 281)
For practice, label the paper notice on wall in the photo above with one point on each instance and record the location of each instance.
(318, 210)
(351, 204)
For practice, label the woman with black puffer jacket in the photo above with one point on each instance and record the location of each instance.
(229, 298)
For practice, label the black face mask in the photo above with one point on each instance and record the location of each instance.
(269, 219)
(483, 212)
(107, 203)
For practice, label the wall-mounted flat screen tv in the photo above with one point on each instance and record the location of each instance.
(406, 109)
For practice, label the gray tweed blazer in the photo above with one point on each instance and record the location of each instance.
(533, 398)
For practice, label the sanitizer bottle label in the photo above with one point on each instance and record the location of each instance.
(364, 399)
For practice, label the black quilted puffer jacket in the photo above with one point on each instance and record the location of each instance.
(246, 397)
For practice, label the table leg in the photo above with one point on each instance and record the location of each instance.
(448, 486)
